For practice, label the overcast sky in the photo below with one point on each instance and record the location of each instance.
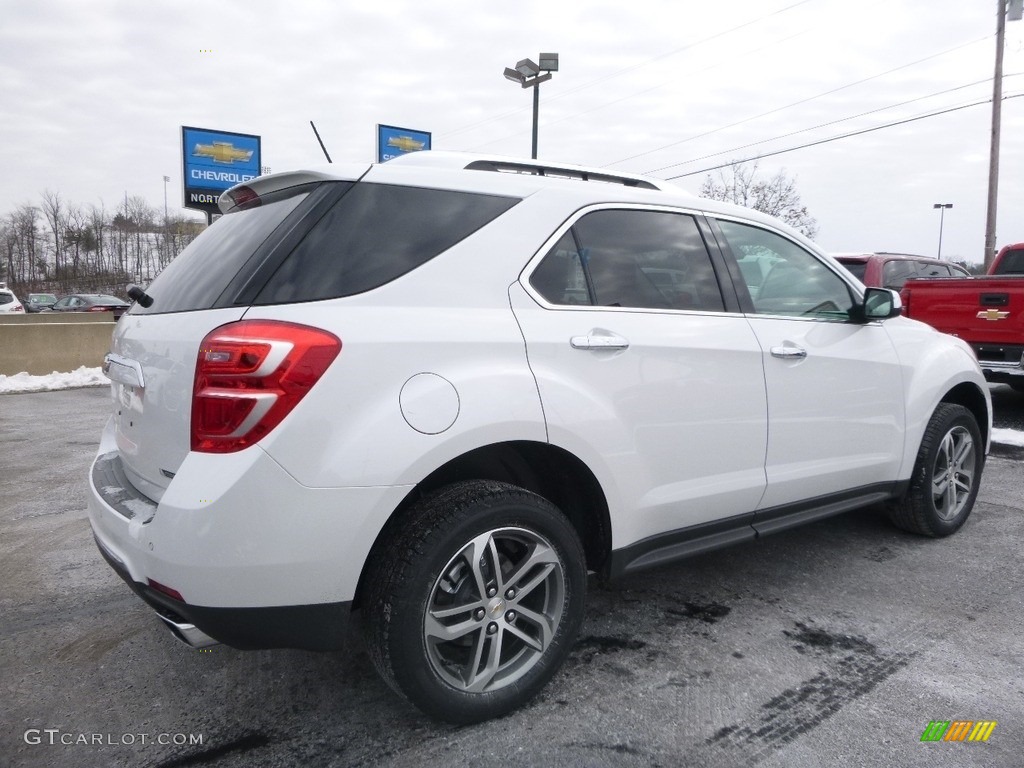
(93, 96)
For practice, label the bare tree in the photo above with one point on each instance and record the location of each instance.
(777, 196)
(60, 247)
(55, 214)
(23, 245)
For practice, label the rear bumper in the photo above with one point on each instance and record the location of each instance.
(257, 559)
(1001, 364)
(322, 627)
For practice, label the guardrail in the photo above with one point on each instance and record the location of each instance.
(43, 342)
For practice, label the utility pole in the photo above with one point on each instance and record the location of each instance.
(1013, 8)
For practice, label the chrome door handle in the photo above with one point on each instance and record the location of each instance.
(599, 341)
(789, 353)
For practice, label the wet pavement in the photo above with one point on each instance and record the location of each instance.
(834, 644)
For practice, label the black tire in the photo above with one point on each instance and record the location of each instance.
(946, 475)
(456, 654)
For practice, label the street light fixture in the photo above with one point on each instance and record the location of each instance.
(528, 74)
(942, 215)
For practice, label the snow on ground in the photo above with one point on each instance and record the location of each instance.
(1008, 437)
(23, 382)
(93, 377)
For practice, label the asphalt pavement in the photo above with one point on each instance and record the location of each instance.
(835, 644)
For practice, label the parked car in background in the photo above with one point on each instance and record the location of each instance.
(8, 301)
(443, 388)
(91, 302)
(985, 311)
(892, 270)
(38, 302)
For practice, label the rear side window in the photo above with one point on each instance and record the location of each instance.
(896, 273)
(374, 234)
(631, 258)
(200, 273)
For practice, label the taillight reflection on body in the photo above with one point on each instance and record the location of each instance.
(250, 375)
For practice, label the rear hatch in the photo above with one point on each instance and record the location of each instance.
(153, 356)
(290, 239)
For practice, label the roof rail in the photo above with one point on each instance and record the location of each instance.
(560, 172)
(495, 163)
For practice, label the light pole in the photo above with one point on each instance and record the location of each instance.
(942, 215)
(166, 179)
(528, 75)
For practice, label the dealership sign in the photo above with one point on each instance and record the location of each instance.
(392, 142)
(214, 161)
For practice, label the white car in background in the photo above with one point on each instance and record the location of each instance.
(8, 301)
(443, 389)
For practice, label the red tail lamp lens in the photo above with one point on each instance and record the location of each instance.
(250, 375)
(245, 197)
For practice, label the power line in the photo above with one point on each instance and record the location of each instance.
(827, 124)
(795, 103)
(842, 136)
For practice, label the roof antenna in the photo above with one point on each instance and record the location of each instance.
(321, 142)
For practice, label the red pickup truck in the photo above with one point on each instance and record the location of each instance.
(987, 312)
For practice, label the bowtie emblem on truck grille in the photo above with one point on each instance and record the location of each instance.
(992, 314)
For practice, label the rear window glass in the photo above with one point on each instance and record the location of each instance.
(1012, 263)
(856, 268)
(374, 234)
(201, 272)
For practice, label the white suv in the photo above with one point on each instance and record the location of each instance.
(8, 301)
(443, 389)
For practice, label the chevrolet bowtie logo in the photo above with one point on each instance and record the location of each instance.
(992, 314)
(405, 143)
(222, 152)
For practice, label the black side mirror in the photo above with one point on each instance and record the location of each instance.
(135, 293)
(881, 304)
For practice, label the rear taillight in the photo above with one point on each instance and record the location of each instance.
(250, 375)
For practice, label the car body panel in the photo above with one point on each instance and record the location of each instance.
(854, 436)
(678, 419)
(153, 421)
